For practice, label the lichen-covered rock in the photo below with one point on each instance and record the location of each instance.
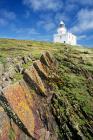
(29, 113)
(19, 98)
(47, 59)
(8, 130)
(42, 69)
(31, 76)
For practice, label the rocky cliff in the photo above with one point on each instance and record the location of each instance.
(25, 105)
(49, 97)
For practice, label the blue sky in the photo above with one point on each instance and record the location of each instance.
(39, 19)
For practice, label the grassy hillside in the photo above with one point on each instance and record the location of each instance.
(72, 104)
(14, 48)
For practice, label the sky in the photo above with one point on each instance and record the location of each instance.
(39, 19)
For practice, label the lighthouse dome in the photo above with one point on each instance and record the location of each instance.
(62, 23)
(62, 29)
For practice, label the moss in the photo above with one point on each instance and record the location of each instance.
(25, 66)
(11, 134)
(18, 77)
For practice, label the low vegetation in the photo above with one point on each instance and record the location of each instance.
(73, 101)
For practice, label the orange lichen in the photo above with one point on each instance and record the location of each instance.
(5, 126)
(16, 96)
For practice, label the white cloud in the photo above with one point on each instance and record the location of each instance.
(46, 22)
(53, 5)
(49, 26)
(29, 33)
(7, 14)
(3, 22)
(27, 14)
(46, 25)
(71, 7)
(86, 2)
(6, 17)
(82, 37)
(61, 16)
(25, 31)
(84, 21)
(49, 22)
(82, 2)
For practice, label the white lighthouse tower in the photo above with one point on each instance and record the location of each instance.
(63, 36)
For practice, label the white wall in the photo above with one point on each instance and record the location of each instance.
(60, 38)
(68, 38)
(71, 39)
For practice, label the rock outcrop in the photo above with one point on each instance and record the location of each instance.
(51, 99)
(25, 106)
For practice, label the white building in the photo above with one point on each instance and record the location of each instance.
(63, 36)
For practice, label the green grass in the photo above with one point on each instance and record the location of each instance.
(13, 48)
(25, 66)
(12, 135)
(17, 77)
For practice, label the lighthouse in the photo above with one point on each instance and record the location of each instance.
(63, 36)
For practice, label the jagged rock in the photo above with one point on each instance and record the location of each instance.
(1, 69)
(25, 59)
(6, 83)
(9, 64)
(42, 69)
(19, 98)
(19, 68)
(28, 110)
(1, 89)
(50, 57)
(11, 72)
(44, 59)
(31, 57)
(9, 130)
(6, 128)
(31, 76)
(47, 59)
